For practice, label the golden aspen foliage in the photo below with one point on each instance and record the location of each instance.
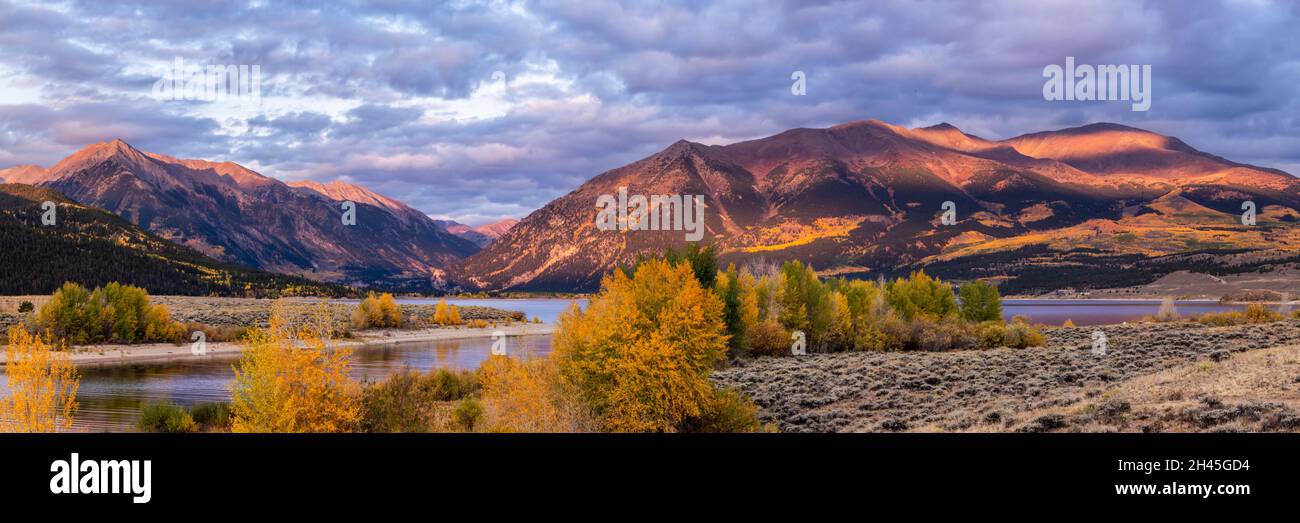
(291, 380)
(841, 328)
(529, 396)
(440, 314)
(390, 311)
(749, 296)
(377, 311)
(453, 316)
(42, 385)
(641, 354)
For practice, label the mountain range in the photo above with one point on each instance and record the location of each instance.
(1101, 204)
(1097, 205)
(93, 247)
(238, 216)
(482, 235)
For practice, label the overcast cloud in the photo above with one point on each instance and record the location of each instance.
(401, 97)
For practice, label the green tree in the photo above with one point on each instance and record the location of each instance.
(805, 303)
(703, 262)
(729, 289)
(980, 301)
(921, 295)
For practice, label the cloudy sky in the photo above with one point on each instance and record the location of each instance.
(483, 110)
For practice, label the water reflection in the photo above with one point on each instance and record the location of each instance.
(111, 396)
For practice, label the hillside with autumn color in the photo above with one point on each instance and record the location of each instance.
(1098, 205)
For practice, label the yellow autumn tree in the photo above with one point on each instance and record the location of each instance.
(390, 311)
(440, 315)
(841, 328)
(291, 380)
(528, 396)
(377, 311)
(641, 354)
(453, 316)
(42, 385)
(749, 310)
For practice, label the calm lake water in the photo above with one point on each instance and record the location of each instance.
(1101, 312)
(111, 396)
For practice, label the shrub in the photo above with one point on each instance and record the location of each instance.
(449, 385)
(1168, 310)
(165, 417)
(991, 334)
(1258, 313)
(1019, 335)
(1253, 313)
(215, 334)
(940, 334)
(211, 416)
(530, 396)
(728, 411)
(895, 332)
(408, 401)
(396, 405)
(26, 306)
(293, 381)
(980, 301)
(769, 338)
(467, 414)
(641, 353)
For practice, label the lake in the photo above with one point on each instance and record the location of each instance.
(111, 396)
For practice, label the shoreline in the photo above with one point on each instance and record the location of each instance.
(119, 354)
